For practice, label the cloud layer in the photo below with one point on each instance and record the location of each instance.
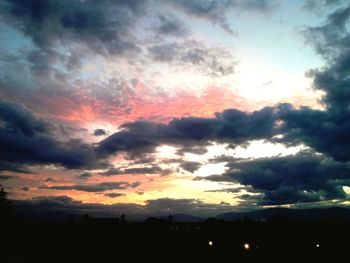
(95, 90)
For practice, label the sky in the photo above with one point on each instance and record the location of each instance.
(172, 106)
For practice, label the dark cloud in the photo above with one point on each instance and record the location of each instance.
(234, 190)
(170, 25)
(232, 126)
(216, 11)
(136, 170)
(50, 180)
(26, 139)
(62, 35)
(13, 167)
(200, 149)
(212, 61)
(6, 177)
(167, 206)
(164, 52)
(190, 166)
(51, 206)
(144, 160)
(85, 175)
(114, 195)
(101, 187)
(18, 119)
(326, 131)
(320, 5)
(320, 130)
(331, 39)
(100, 132)
(304, 177)
(103, 26)
(25, 189)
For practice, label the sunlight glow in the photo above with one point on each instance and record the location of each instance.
(261, 149)
(211, 168)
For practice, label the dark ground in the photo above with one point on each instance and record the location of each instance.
(111, 240)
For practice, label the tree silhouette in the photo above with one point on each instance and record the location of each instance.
(122, 218)
(6, 209)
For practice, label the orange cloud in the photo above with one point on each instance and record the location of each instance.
(140, 103)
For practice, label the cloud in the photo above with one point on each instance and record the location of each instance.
(331, 38)
(326, 131)
(164, 52)
(234, 126)
(211, 61)
(18, 119)
(50, 180)
(6, 177)
(169, 25)
(104, 26)
(320, 5)
(26, 139)
(100, 132)
(101, 187)
(136, 170)
(85, 175)
(321, 130)
(190, 166)
(52, 206)
(14, 167)
(304, 177)
(114, 195)
(216, 11)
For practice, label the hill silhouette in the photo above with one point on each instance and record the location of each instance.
(270, 234)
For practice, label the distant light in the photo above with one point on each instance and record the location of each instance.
(317, 245)
(246, 246)
(210, 243)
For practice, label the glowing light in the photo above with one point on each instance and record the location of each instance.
(346, 189)
(211, 168)
(317, 245)
(210, 243)
(246, 246)
(166, 151)
(261, 149)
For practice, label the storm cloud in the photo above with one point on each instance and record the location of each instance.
(304, 177)
(232, 126)
(328, 130)
(26, 139)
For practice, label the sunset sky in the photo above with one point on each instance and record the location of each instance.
(174, 106)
